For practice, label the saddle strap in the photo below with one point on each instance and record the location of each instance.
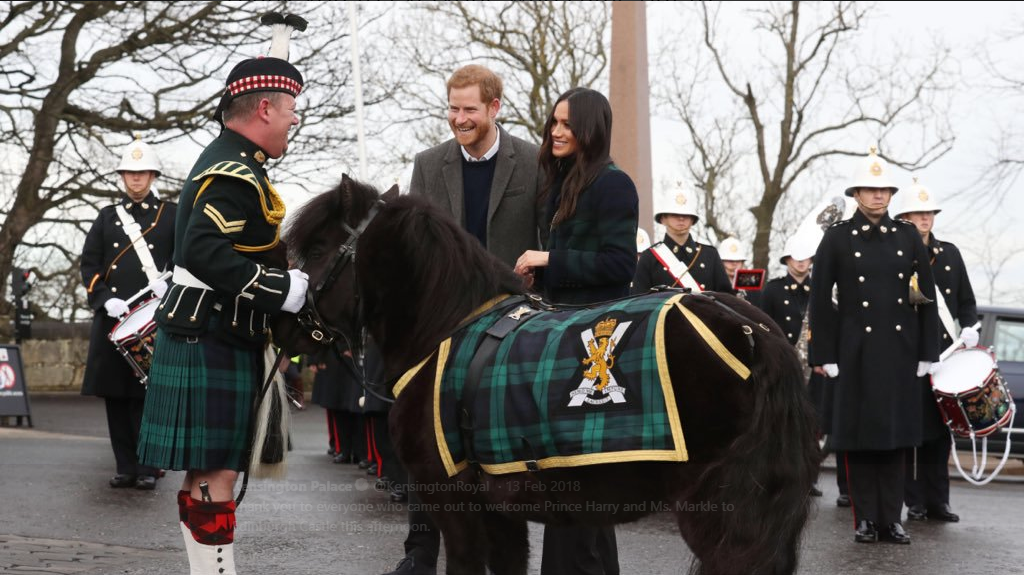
(488, 348)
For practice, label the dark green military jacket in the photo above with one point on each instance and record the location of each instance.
(227, 230)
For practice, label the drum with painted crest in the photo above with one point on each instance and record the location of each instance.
(134, 336)
(972, 396)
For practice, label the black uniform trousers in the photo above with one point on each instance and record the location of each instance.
(876, 485)
(346, 432)
(423, 543)
(841, 473)
(124, 418)
(577, 550)
(930, 487)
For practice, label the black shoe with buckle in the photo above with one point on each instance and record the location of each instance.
(866, 532)
(122, 480)
(943, 513)
(843, 500)
(145, 483)
(917, 513)
(408, 566)
(894, 533)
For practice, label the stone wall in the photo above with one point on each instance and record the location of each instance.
(54, 365)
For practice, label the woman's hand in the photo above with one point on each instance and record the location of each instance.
(529, 260)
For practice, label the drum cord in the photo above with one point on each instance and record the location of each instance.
(977, 472)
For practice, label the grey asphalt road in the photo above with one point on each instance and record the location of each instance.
(59, 516)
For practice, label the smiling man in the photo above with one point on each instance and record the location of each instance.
(213, 323)
(488, 181)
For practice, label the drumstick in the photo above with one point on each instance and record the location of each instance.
(955, 345)
(146, 289)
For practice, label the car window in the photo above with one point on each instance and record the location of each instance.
(1009, 339)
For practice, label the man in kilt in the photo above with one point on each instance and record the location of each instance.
(213, 323)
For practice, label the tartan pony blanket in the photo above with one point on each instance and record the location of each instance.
(564, 388)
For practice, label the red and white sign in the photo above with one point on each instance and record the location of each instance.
(7, 377)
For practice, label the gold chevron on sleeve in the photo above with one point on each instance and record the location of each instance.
(231, 170)
(226, 227)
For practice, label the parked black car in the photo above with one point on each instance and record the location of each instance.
(1002, 330)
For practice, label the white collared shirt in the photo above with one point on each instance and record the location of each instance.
(488, 154)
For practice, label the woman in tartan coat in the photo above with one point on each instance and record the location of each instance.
(591, 257)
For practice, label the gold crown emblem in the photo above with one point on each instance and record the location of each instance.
(876, 169)
(922, 195)
(137, 154)
(681, 199)
(605, 328)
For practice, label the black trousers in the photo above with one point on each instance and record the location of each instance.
(841, 474)
(124, 418)
(346, 430)
(876, 485)
(576, 550)
(931, 486)
(423, 543)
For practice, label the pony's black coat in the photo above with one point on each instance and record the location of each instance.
(742, 499)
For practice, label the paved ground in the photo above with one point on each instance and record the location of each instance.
(59, 516)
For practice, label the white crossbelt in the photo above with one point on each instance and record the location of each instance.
(134, 231)
(675, 267)
(185, 278)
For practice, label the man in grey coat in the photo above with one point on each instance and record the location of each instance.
(488, 181)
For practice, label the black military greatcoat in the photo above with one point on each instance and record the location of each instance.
(703, 262)
(111, 268)
(953, 284)
(875, 336)
(785, 300)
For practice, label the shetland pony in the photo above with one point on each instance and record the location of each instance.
(742, 498)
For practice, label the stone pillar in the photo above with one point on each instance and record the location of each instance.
(630, 96)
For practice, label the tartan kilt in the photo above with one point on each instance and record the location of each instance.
(199, 404)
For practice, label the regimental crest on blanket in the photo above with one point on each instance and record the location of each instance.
(599, 385)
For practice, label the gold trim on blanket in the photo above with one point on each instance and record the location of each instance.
(677, 455)
(714, 343)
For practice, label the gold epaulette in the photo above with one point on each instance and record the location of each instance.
(270, 202)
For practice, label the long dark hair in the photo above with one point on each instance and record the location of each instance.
(590, 119)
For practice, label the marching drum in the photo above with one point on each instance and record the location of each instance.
(133, 336)
(972, 396)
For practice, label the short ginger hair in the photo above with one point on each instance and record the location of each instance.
(477, 75)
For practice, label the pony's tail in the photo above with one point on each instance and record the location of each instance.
(761, 488)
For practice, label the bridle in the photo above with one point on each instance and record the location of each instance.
(313, 323)
(309, 317)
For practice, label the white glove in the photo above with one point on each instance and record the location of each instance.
(116, 307)
(158, 287)
(923, 368)
(831, 369)
(970, 336)
(296, 291)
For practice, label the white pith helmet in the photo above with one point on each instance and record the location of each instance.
(731, 250)
(643, 241)
(139, 157)
(871, 172)
(680, 202)
(916, 199)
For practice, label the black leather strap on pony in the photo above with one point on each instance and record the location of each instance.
(312, 321)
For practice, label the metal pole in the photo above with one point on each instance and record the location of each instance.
(353, 19)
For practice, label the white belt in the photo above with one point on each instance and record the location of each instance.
(185, 278)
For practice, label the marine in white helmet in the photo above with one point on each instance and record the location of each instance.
(129, 243)
(875, 344)
(679, 260)
(926, 492)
